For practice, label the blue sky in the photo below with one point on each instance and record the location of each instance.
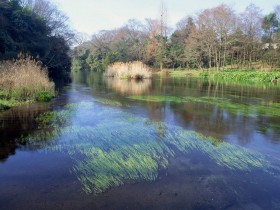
(90, 16)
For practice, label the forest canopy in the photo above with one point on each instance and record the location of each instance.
(215, 38)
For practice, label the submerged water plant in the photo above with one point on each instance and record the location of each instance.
(108, 101)
(251, 110)
(110, 147)
(174, 99)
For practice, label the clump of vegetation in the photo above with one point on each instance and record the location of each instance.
(131, 70)
(24, 79)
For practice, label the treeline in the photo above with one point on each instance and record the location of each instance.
(215, 38)
(36, 28)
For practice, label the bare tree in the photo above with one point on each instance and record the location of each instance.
(224, 26)
(55, 18)
(163, 32)
(194, 50)
(251, 27)
(152, 31)
(207, 35)
(216, 26)
(81, 38)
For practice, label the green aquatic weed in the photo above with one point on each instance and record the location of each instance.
(108, 101)
(251, 110)
(121, 147)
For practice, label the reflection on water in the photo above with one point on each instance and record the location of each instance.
(226, 115)
(16, 122)
(158, 144)
(134, 87)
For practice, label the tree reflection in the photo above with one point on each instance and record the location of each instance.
(17, 122)
(245, 111)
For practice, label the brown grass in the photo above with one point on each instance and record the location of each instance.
(24, 78)
(131, 70)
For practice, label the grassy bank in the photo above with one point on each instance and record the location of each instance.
(23, 80)
(234, 76)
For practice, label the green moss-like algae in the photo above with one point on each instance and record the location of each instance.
(251, 110)
(109, 150)
(108, 101)
(159, 98)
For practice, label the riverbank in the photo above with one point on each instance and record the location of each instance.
(228, 75)
(23, 81)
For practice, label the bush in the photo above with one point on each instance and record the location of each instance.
(131, 70)
(24, 79)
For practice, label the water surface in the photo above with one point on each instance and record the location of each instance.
(154, 144)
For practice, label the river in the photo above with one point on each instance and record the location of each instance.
(164, 143)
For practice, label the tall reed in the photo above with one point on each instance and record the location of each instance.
(131, 70)
(24, 79)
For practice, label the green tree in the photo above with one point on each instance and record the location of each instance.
(270, 26)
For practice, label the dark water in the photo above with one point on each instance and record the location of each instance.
(156, 144)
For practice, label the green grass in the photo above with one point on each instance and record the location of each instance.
(6, 104)
(249, 77)
(110, 147)
(179, 73)
(44, 96)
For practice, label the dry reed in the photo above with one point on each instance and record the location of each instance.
(131, 70)
(23, 79)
